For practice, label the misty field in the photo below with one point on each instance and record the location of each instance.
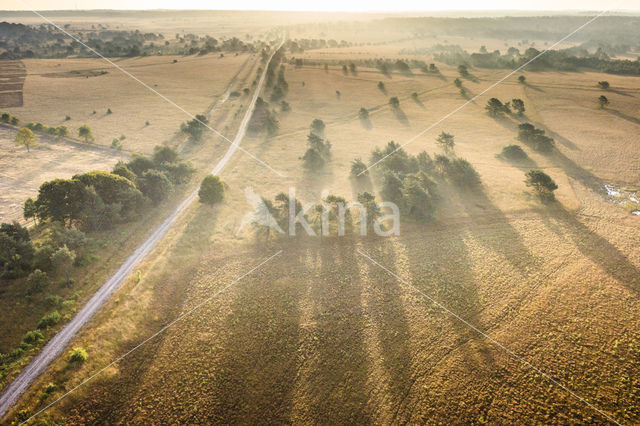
(323, 333)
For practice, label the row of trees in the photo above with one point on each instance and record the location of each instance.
(496, 108)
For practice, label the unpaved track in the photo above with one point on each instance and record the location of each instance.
(60, 341)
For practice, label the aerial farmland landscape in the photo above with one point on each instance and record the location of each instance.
(342, 214)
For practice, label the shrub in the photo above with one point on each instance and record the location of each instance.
(78, 355)
(37, 281)
(33, 337)
(513, 152)
(49, 320)
(211, 190)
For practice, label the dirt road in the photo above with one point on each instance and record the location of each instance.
(60, 341)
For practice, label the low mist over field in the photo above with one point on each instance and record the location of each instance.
(222, 217)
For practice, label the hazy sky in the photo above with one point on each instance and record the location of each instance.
(325, 5)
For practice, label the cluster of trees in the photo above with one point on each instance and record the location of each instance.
(279, 86)
(496, 108)
(47, 41)
(195, 128)
(55, 254)
(411, 181)
(99, 200)
(535, 137)
(572, 59)
(264, 119)
(300, 45)
(319, 148)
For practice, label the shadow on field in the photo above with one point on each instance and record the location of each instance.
(359, 185)
(624, 116)
(257, 358)
(482, 214)
(615, 263)
(337, 363)
(400, 116)
(387, 311)
(366, 123)
(442, 269)
(111, 398)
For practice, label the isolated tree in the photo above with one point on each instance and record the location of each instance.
(463, 70)
(25, 137)
(542, 183)
(352, 68)
(63, 260)
(458, 83)
(358, 168)
(363, 114)
(522, 79)
(446, 141)
(344, 70)
(317, 127)
(312, 160)
(381, 86)
(603, 85)
(414, 96)
(394, 102)
(603, 101)
(211, 190)
(85, 132)
(518, 106)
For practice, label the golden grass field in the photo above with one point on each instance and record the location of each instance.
(54, 89)
(322, 335)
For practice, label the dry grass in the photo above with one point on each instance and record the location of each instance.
(23, 172)
(54, 89)
(321, 333)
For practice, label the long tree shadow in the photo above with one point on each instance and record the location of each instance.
(483, 213)
(386, 309)
(337, 360)
(112, 398)
(440, 267)
(624, 116)
(400, 116)
(258, 352)
(597, 248)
